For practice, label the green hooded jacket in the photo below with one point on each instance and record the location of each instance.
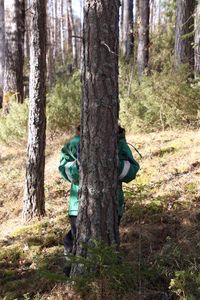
(127, 169)
(69, 169)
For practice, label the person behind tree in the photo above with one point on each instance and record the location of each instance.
(69, 169)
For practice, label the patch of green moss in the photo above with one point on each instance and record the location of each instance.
(143, 179)
(181, 168)
(35, 228)
(191, 187)
(12, 253)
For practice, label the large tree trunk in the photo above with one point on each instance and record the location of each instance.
(2, 49)
(34, 204)
(127, 31)
(143, 36)
(97, 218)
(197, 40)
(14, 49)
(184, 52)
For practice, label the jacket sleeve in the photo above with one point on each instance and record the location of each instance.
(68, 166)
(128, 166)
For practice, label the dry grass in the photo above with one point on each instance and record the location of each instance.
(163, 210)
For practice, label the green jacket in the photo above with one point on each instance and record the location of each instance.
(127, 170)
(69, 169)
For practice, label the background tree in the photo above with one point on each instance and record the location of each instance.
(127, 29)
(72, 46)
(184, 37)
(2, 49)
(152, 15)
(62, 38)
(27, 30)
(97, 218)
(34, 204)
(50, 57)
(14, 48)
(197, 39)
(143, 36)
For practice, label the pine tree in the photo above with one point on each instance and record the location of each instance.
(34, 203)
(184, 37)
(127, 30)
(14, 49)
(143, 36)
(2, 49)
(97, 219)
(197, 40)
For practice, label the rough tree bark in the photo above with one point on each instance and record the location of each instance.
(34, 204)
(14, 48)
(143, 37)
(97, 218)
(2, 49)
(184, 51)
(127, 30)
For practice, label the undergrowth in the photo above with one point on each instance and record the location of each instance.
(163, 100)
(166, 99)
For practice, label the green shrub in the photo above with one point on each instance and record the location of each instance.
(104, 275)
(14, 125)
(63, 104)
(160, 101)
(186, 284)
(63, 112)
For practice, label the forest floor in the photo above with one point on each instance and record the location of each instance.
(160, 230)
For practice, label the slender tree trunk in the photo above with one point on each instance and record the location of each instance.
(55, 29)
(97, 218)
(159, 13)
(50, 57)
(71, 33)
(50, 63)
(14, 49)
(79, 41)
(136, 25)
(121, 32)
(143, 37)
(184, 52)
(62, 46)
(27, 31)
(20, 60)
(137, 4)
(128, 37)
(34, 204)
(2, 49)
(197, 40)
(152, 15)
